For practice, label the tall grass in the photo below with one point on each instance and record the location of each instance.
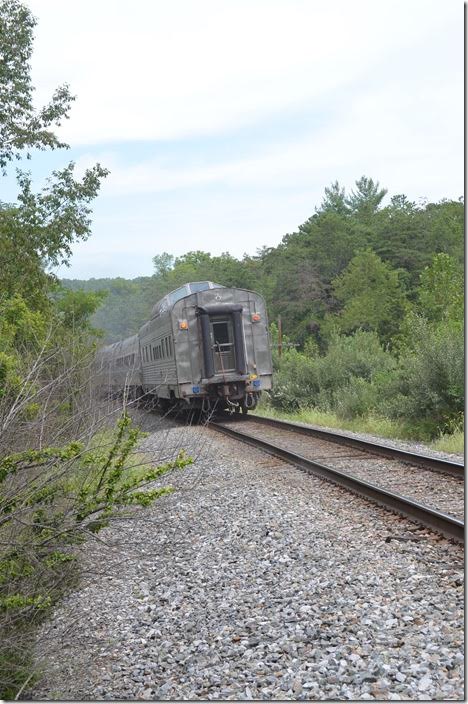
(381, 427)
(454, 442)
(373, 425)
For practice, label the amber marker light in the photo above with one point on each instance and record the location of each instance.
(256, 317)
(183, 325)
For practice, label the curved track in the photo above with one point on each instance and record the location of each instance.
(283, 448)
(427, 462)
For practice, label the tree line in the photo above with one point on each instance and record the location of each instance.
(382, 283)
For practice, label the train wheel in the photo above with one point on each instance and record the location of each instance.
(245, 410)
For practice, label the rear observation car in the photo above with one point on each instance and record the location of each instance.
(206, 346)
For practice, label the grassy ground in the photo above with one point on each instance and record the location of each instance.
(451, 443)
(382, 427)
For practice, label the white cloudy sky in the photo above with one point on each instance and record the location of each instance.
(223, 120)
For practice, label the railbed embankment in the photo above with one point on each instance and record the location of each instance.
(255, 580)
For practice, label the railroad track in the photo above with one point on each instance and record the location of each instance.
(439, 465)
(432, 488)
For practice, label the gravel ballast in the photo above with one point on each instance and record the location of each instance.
(255, 580)
(435, 489)
(408, 445)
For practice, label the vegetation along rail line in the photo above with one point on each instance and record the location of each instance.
(439, 521)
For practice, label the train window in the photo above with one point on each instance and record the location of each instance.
(222, 336)
(221, 332)
(199, 286)
(166, 348)
(178, 294)
(163, 351)
(170, 346)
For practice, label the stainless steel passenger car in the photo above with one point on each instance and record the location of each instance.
(205, 346)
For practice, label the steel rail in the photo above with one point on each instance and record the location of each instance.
(457, 469)
(440, 522)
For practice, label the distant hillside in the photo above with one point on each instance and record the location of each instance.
(300, 278)
(127, 306)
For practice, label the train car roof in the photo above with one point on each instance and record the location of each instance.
(187, 289)
(120, 347)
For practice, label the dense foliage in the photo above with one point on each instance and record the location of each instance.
(62, 477)
(370, 297)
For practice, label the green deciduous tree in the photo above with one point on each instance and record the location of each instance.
(163, 263)
(77, 307)
(441, 290)
(39, 229)
(21, 126)
(371, 295)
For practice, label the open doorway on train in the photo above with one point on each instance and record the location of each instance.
(222, 342)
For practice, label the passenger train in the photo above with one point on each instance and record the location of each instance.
(205, 346)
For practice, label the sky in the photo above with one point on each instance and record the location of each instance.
(222, 121)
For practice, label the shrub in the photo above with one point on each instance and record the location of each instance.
(295, 382)
(304, 380)
(357, 399)
(356, 356)
(51, 499)
(428, 386)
